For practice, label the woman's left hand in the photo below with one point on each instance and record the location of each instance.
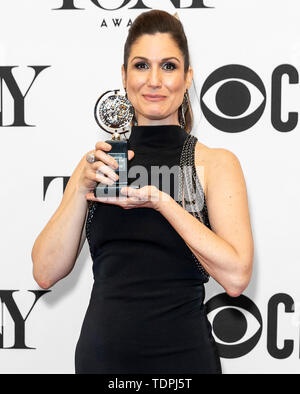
(145, 197)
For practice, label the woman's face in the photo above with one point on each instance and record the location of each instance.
(155, 79)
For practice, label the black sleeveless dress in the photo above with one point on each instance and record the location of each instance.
(146, 311)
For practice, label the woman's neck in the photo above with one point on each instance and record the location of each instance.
(170, 120)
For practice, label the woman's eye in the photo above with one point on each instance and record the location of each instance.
(167, 66)
(170, 66)
(139, 65)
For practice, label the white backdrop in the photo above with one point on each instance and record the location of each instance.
(83, 60)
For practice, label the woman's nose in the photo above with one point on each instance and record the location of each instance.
(154, 79)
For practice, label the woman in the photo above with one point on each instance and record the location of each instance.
(146, 312)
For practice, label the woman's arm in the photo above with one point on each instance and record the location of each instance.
(226, 252)
(56, 248)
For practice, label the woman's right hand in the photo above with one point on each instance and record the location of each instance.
(102, 170)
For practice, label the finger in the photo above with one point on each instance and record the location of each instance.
(116, 200)
(138, 194)
(91, 197)
(106, 159)
(99, 178)
(112, 200)
(123, 202)
(130, 154)
(104, 179)
(101, 145)
(106, 170)
(129, 191)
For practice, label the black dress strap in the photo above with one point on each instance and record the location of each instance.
(190, 192)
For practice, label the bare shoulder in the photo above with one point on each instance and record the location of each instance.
(203, 157)
(223, 163)
(220, 155)
(212, 162)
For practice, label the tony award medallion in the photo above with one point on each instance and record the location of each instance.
(114, 113)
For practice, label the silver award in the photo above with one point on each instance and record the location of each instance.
(114, 114)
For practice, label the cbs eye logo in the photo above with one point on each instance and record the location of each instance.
(236, 323)
(233, 98)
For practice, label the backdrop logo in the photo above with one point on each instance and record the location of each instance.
(18, 98)
(47, 180)
(237, 325)
(135, 5)
(233, 98)
(230, 324)
(12, 310)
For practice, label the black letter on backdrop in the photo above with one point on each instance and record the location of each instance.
(49, 179)
(288, 346)
(7, 299)
(7, 76)
(68, 5)
(195, 4)
(277, 122)
(140, 6)
(96, 2)
(176, 4)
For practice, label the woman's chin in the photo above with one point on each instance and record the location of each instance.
(154, 115)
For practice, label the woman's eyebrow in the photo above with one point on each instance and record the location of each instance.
(163, 60)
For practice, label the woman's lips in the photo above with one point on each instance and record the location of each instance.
(154, 97)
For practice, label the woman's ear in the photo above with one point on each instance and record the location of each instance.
(123, 76)
(189, 78)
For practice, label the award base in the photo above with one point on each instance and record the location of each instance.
(120, 153)
(110, 191)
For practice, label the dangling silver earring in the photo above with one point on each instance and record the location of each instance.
(183, 109)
